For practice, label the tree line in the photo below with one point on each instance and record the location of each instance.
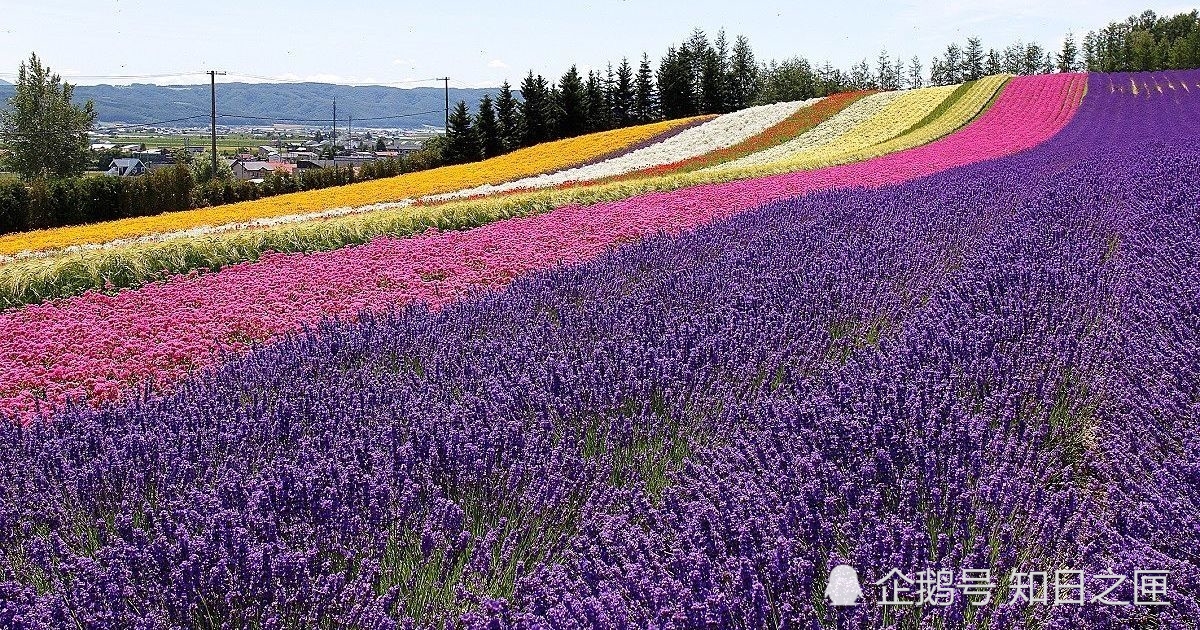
(699, 76)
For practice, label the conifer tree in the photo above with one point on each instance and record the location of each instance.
(952, 64)
(462, 140)
(972, 60)
(712, 84)
(535, 110)
(596, 109)
(645, 99)
(675, 87)
(1068, 56)
(743, 74)
(572, 105)
(622, 95)
(508, 118)
(994, 65)
(883, 72)
(488, 128)
(916, 78)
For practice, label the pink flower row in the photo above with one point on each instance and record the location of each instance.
(99, 347)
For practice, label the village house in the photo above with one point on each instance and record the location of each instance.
(126, 167)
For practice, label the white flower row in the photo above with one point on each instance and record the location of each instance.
(718, 133)
(824, 134)
(206, 230)
(869, 121)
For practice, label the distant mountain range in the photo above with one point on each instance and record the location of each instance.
(292, 103)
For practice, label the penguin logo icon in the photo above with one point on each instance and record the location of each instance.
(843, 588)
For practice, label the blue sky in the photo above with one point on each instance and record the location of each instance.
(478, 44)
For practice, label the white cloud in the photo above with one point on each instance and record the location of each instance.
(497, 63)
(403, 62)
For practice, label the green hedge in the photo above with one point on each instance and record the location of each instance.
(49, 204)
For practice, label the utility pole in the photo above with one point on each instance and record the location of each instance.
(333, 129)
(446, 81)
(212, 75)
(350, 131)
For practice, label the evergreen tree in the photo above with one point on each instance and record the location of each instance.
(1090, 59)
(861, 77)
(46, 134)
(973, 60)
(937, 72)
(1048, 65)
(791, 80)
(508, 118)
(1014, 58)
(743, 74)
(898, 74)
(695, 52)
(572, 105)
(488, 128)
(554, 111)
(1032, 63)
(830, 80)
(535, 110)
(645, 98)
(1068, 56)
(462, 140)
(883, 72)
(721, 49)
(712, 84)
(915, 77)
(953, 65)
(623, 95)
(597, 113)
(994, 65)
(675, 88)
(606, 88)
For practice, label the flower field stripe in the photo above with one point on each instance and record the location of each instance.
(159, 257)
(828, 132)
(175, 327)
(803, 120)
(720, 132)
(993, 367)
(521, 163)
(838, 138)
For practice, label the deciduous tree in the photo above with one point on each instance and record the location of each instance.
(46, 134)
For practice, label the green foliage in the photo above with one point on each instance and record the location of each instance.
(508, 119)
(572, 107)
(645, 100)
(462, 140)
(743, 74)
(202, 169)
(1145, 42)
(623, 96)
(535, 110)
(488, 128)
(46, 134)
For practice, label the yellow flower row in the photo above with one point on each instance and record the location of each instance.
(892, 129)
(542, 158)
(889, 122)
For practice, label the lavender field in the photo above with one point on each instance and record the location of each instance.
(996, 367)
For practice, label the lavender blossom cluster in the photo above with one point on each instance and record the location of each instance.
(994, 367)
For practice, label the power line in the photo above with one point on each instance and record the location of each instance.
(293, 81)
(151, 124)
(115, 76)
(319, 120)
(108, 128)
